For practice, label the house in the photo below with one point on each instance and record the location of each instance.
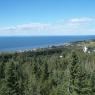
(85, 49)
(88, 49)
(60, 56)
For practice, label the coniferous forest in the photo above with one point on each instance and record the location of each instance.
(49, 71)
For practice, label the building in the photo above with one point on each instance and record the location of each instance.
(85, 49)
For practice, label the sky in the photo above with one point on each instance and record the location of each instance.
(47, 17)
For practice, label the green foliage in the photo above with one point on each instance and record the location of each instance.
(2, 70)
(12, 80)
(44, 72)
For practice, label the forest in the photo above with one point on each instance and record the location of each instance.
(63, 70)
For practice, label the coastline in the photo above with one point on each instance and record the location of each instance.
(46, 45)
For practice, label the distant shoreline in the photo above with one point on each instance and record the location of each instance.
(35, 48)
(45, 47)
(29, 44)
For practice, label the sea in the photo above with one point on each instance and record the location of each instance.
(11, 44)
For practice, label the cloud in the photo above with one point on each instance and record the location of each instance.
(81, 20)
(33, 26)
(74, 26)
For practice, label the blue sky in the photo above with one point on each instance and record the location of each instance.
(47, 17)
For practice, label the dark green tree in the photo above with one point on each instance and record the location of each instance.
(93, 83)
(12, 80)
(74, 70)
(2, 70)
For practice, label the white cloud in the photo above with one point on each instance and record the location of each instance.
(74, 26)
(81, 20)
(33, 26)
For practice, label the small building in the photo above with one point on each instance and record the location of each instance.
(89, 49)
(60, 56)
(85, 49)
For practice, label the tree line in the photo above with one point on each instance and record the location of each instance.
(46, 73)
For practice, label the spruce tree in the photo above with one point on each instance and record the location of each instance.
(2, 70)
(93, 83)
(82, 86)
(12, 80)
(79, 78)
(74, 70)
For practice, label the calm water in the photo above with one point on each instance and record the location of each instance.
(21, 43)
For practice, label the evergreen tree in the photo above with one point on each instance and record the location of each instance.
(79, 78)
(2, 70)
(12, 80)
(82, 85)
(93, 83)
(74, 70)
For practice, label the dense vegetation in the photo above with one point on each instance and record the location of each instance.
(54, 71)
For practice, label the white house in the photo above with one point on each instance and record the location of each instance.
(85, 49)
(60, 56)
